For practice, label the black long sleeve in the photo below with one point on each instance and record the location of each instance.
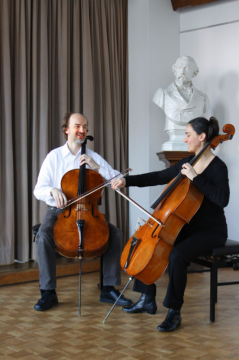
(157, 177)
(212, 182)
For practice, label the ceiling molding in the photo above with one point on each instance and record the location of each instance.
(176, 4)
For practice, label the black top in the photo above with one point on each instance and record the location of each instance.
(212, 182)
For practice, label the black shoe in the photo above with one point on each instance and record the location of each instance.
(172, 320)
(146, 303)
(112, 296)
(46, 302)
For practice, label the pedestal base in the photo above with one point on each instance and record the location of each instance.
(174, 146)
(176, 140)
(171, 157)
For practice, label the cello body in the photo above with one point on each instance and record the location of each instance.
(146, 255)
(95, 233)
(150, 256)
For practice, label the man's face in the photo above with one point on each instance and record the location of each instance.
(77, 129)
(183, 71)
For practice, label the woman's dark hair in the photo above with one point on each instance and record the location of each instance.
(202, 125)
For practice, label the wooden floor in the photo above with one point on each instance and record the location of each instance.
(24, 272)
(60, 333)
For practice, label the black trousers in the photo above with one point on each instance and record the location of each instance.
(187, 245)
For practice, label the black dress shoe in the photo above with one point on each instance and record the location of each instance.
(172, 320)
(146, 303)
(47, 300)
(112, 296)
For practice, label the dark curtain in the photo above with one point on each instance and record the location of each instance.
(58, 56)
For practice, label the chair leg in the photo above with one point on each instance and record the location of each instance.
(216, 289)
(213, 291)
(101, 273)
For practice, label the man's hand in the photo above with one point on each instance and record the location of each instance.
(189, 171)
(85, 159)
(60, 197)
(118, 183)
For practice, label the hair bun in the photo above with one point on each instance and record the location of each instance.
(212, 119)
(213, 127)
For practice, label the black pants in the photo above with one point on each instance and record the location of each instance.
(187, 246)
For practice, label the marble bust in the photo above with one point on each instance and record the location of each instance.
(181, 102)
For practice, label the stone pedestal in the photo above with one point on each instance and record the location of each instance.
(176, 140)
(171, 157)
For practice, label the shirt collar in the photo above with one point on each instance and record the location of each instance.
(66, 151)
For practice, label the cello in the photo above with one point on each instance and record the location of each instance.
(81, 230)
(146, 254)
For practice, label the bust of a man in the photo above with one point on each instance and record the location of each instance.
(181, 102)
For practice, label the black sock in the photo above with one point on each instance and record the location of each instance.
(176, 311)
(50, 291)
(108, 288)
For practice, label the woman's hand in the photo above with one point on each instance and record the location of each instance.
(189, 171)
(118, 183)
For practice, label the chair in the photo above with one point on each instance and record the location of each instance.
(223, 257)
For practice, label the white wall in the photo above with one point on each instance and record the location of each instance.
(138, 20)
(153, 45)
(157, 37)
(209, 34)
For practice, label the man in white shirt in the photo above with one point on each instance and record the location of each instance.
(48, 189)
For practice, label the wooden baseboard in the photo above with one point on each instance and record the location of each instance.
(21, 273)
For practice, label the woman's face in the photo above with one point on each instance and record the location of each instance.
(194, 141)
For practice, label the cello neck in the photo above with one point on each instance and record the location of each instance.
(200, 154)
(228, 129)
(179, 177)
(81, 181)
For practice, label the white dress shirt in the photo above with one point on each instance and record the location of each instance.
(57, 163)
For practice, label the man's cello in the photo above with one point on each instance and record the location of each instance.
(81, 230)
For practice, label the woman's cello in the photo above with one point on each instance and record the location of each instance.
(146, 254)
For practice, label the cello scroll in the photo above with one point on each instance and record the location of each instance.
(229, 129)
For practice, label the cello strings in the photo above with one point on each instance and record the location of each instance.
(72, 201)
(105, 183)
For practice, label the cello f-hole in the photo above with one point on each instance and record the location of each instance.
(154, 236)
(133, 244)
(69, 213)
(92, 211)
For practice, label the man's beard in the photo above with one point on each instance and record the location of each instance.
(181, 81)
(79, 141)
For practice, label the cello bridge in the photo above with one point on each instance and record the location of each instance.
(81, 208)
(146, 222)
(138, 223)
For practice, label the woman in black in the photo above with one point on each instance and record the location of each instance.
(206, 230)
